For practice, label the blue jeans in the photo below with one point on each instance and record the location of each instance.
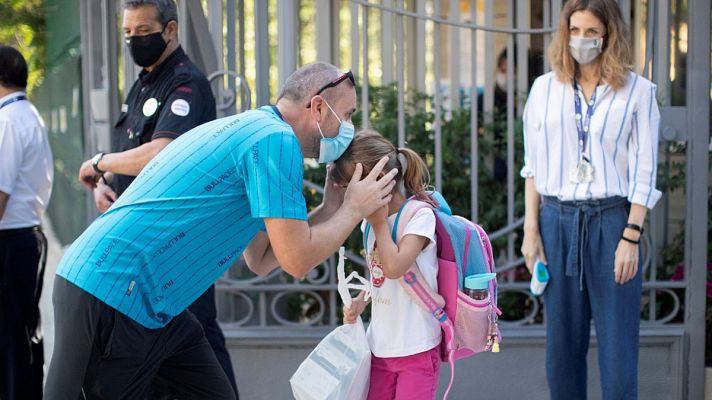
(580, 240)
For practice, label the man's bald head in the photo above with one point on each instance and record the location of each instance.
(303, 83)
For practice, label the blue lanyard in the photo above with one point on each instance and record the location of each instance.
(583, 125)
(13, 100)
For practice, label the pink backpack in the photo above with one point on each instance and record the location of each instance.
(468, 326)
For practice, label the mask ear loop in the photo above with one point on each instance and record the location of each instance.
(317, 122)
(164, 29)
(404, 164)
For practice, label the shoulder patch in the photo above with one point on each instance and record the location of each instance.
(180, 107)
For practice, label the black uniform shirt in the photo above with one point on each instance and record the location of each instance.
(170, 100)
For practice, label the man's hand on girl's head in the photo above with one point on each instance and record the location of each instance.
(364, 196)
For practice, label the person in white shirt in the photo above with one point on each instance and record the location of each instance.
(26, 174)
(591, 146)
(404, 338)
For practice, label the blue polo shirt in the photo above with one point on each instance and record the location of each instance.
(189, 215)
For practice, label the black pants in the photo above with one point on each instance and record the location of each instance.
(107, 355)
(204, 310)
(22, 258)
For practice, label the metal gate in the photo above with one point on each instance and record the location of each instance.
(448, 50)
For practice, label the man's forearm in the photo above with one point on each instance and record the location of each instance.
(321, 214)
(131, 162)
(300, 247)
(259, 256)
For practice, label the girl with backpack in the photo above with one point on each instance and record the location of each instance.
(404, 338)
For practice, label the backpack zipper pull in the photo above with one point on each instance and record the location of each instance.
(494, 338)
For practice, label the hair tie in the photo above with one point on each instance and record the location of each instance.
(402, 160)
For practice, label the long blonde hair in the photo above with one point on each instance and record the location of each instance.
(616, 57)
(368, 147)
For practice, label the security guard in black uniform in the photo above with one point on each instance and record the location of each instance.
(170, 97)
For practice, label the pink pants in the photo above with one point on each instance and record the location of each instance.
(412, 377)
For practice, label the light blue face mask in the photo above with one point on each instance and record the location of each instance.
(332, 148)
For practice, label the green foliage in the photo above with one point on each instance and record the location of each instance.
(23, 27)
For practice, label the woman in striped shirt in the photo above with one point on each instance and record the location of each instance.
(591, 144)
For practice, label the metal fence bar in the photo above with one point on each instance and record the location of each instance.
(387, 44)
(354, 39)
(400, 63)
(261, 53)
(649, 58)
(215, 25)
(661, 70)
(510, 131)
(523, 42)
(420, 48)
(488, 96)
(555, 13)
(547, 36)
(438, 103)
(625, 6)
(364, 85)
(241, 41)
(454, 17)
(323, 31)
(231, 56)
(474, 134)
(287, 12)
(698, 103)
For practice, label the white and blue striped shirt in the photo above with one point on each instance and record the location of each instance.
(622, 142)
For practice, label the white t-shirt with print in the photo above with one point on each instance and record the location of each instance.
(400, 326)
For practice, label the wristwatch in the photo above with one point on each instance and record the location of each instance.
(95, 162)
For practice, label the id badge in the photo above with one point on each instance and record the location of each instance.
(582, 173)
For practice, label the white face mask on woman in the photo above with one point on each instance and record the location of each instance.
(585, 50)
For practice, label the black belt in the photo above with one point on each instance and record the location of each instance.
(6, 233)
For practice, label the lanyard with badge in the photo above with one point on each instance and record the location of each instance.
(583, 172)
(13, 100)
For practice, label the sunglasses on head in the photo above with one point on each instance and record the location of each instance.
(348, 75)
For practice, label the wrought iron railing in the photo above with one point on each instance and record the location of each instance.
(278, 301)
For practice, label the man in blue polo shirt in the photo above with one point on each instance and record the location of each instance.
(123, 287)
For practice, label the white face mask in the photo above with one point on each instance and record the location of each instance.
(585, 50)
(501, 80)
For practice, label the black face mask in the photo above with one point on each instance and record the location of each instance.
(147, 49)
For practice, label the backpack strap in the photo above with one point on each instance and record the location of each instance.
(413, 281)
(428, 296)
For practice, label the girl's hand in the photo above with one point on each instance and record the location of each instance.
(379, 216)
(358, 304)
(626, 264)
(532, 248)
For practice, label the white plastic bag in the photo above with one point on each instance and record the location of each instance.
(340, 365)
